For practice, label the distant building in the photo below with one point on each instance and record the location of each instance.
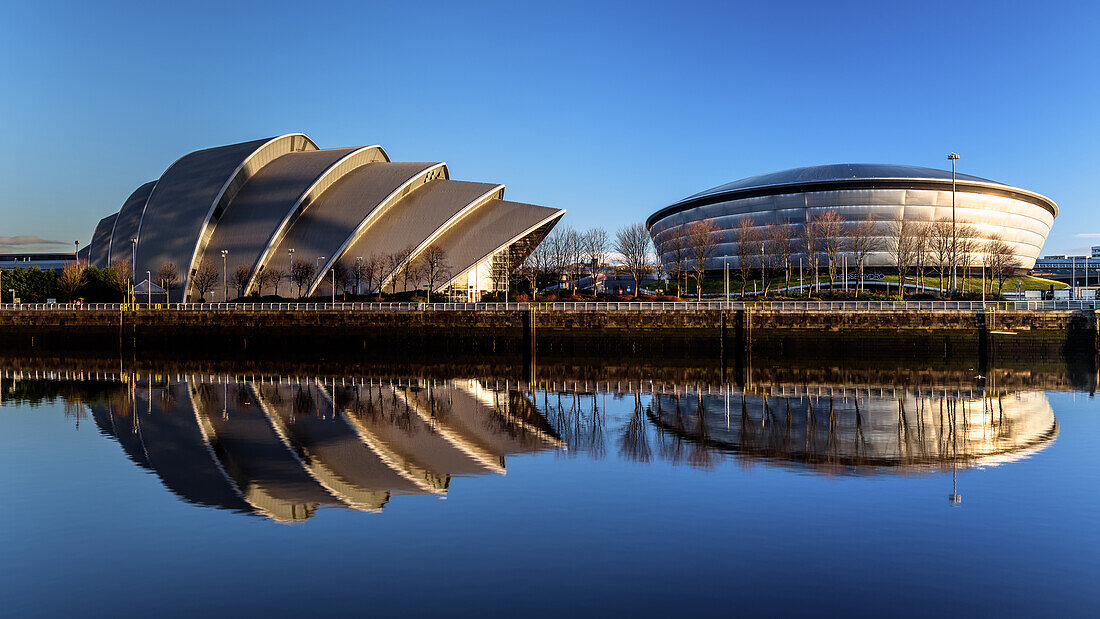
(54, 262)
(1067, 265)
(1096, 251)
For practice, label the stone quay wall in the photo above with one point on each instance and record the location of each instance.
(699, 331)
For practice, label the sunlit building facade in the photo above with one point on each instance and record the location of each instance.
(878, 193)
(269, 202)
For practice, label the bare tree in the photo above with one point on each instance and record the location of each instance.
(433, 262)
(205, 278)
(302, 273)
(373, 270)
(118, 276)
(829, 225)
(593, 245)
(167, 276)
(780, 249)
(241, 277)
(537, 265)
(902, 243)
(394, 264)
(633, 244)
(702, 243)
(72, 278)
(922, 249)
(939, 248)
(408, 269)
(748, 241)
(967, 248)
(358, 273)
(863, 240)
(812, 247)
(340, 277)
(1000, 260)
(678, 253)
(269, 277)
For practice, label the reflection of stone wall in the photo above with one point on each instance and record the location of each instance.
(862, 433)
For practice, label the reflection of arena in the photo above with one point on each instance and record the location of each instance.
(861, 434)
(282, 450)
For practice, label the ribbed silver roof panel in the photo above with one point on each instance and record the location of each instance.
(337, 213)
(127, 223)
(261, 205)
(100, 247)
(192, 194)
(418, 216)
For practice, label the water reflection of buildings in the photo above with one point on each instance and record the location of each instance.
(854, 431)
(283, 449)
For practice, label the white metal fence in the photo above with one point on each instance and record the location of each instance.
(580, 306)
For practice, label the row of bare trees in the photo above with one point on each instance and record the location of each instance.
(827, 244)
(568, 255)
(429, 270)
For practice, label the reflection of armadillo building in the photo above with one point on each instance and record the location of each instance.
(861, 434)
(283, 450)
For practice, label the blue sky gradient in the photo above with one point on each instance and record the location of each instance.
(610, 110)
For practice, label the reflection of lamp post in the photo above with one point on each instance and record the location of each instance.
(954, 239)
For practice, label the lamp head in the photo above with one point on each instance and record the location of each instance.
(953, 156)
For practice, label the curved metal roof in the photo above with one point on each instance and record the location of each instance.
(189, 198)
(100, 247)
(841, 175)
(127, 223)
(841, 172)
(261, 206)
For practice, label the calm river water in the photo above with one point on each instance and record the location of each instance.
(150, 493)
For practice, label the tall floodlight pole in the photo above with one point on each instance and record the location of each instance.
(953, 157)
(225, 279)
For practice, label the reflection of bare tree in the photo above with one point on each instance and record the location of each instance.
(304, 403)
(634, 443)
(579, 426)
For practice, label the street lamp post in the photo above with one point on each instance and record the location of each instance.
(358, 272)
(133, 265)
(225, 278)
(953, 157)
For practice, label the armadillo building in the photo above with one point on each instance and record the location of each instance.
(859, 192)
(269, 202)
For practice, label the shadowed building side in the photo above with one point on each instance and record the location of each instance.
(192, 195)
(98, 251)
(127, 224)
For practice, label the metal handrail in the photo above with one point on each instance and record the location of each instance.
(576, 306)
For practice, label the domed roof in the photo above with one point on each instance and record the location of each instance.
(842, 172)
(848, 176)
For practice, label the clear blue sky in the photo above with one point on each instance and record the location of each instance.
(610, 110)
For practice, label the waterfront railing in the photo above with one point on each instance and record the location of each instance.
(576, 306)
